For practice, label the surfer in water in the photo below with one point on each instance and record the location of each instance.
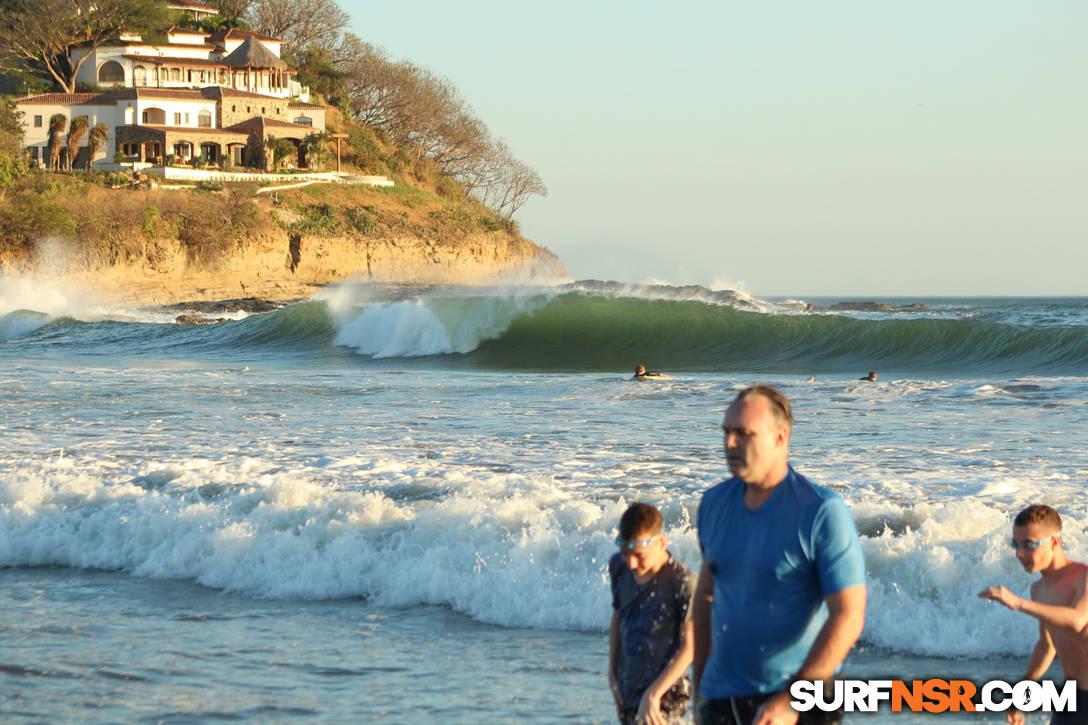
(641, 373)
(871, 377)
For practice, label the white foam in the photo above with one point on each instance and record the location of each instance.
(432, 326)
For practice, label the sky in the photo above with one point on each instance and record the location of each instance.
(786, 148)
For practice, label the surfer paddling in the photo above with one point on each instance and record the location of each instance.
(641, 373)
(1059, 600)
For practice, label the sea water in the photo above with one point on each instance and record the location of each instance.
(398, 503)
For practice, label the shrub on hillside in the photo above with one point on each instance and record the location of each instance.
(28, 216)
(320, 220)
(361, 219)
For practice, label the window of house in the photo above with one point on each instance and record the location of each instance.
(37, 122)
(175, 74)
(262, 110)
(111, 72)
(204, 119)
(129, 149)
(249, 110)
(186, 119)
(177, 119)
(139, 76)
(233, 108)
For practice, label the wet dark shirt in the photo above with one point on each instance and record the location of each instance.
(651, 616)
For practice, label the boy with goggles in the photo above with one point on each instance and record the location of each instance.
(650, 641)
(1059, 600)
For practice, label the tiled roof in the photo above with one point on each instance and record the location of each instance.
(194, 130)
(261, 122)
(181, 94)
(221, 92)
(300, 104)
(54, 99)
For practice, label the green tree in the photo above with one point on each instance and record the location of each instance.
(76, 131)
(281, 149)
(95, 140)
(317, 154)
(57, 122)
(12, 163)
(40, 35)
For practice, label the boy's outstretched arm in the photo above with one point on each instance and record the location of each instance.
(649, 710)
(1074, 616)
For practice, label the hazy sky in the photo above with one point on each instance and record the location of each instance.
(791, 148)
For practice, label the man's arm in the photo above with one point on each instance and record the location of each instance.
(649, 710)
(1074, 616)
(614, 658)
(700, 620)
(846, 619)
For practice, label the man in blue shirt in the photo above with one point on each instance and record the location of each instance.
(781, 593)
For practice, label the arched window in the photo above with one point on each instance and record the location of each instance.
(111, 72)
(139, 76)
(304, 121)
(204, 119)
(155, 116)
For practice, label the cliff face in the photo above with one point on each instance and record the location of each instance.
(262, 267)
(162, 259)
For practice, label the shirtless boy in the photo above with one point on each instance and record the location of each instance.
(1059, 600)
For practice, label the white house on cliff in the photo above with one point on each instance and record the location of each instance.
(220, 97)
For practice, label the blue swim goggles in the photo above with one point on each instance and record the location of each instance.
(635, 543)
(1029, 544)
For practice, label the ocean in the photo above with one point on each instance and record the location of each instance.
(397, 504)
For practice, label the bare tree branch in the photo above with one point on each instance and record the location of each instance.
(299, 23)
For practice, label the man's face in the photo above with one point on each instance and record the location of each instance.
(755, 444)
(646, 560)
(1039, 558)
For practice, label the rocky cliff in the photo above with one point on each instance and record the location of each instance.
(156, 247)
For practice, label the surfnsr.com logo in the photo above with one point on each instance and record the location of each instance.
(934, 695)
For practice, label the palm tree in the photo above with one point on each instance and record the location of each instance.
(94, 142)
(57, 122)
(76, 131)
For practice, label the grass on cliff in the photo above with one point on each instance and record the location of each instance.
(384, 212)
(101, 225)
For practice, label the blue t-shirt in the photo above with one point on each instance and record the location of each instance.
(772, 568)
